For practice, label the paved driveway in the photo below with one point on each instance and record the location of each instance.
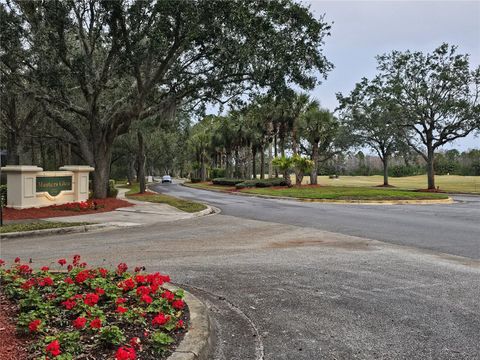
(449, 228)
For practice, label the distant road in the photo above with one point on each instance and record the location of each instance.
(452, 229)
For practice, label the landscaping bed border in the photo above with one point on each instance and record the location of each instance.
(448, 200)
(199, 340)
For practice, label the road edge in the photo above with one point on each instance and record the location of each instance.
(210, 210)
(60, 230)
(198, 342)
(448, 200)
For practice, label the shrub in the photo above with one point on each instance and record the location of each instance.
(112, 191)
(262, 183)
(3, 195)
(195, 180)
(227, 182)
(404, 170)
(93, 312)
(217, 173)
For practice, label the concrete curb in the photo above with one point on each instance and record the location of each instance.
(61, 230)
(449, 200)
(198, 342)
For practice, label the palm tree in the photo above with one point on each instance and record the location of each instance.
(320, 128)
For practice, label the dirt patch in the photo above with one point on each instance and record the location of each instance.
(346, 245)
(104, 205)
(12, 346)
(385, 186)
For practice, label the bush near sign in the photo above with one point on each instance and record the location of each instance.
(53, 185)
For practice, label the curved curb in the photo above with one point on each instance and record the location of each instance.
(448, 200)
(198, 342)
(210, 210)
(60, 230)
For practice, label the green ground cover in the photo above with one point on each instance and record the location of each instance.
(183, 205)
(8, 228)
(346, 193)
(448, 183)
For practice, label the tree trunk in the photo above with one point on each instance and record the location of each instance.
(270, 158)
(32, 151)
(228, 165)
(430, 168)
(314, 172)
(298, 178)
(203, 170)
(254, 163)
(385, 170)
(101, 173)
(262, 162)
(130, 170)
(276, 152)
(141, 162)
(43, 155)
(12, 149)
(237, 165)
(294, 140)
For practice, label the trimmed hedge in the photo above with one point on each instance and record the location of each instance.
(216, 173)
(261, 183)
(3, 195)
(227, 182)
(195, 180)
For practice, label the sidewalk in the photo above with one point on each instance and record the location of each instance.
(143, 213)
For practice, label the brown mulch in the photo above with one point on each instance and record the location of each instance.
(12, 345)
(104, 205)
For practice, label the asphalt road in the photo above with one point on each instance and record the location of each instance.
(292, 291)
(283, 292)
(448, 228)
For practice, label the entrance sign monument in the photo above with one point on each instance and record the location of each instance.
(29, 186)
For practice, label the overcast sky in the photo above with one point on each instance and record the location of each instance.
(363, 29)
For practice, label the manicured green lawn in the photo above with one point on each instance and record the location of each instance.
(8, 228)
(449, 183)
(346, 193)
(184, 205)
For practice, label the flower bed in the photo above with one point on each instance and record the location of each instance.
(70, 209)
(80, 206)
(94, 313)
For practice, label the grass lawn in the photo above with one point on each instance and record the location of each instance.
(346, 193)
(449, 183)
(8, 228)
(180, 204)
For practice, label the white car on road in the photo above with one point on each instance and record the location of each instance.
(166, 179)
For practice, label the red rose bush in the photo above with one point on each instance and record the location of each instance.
(91, 313)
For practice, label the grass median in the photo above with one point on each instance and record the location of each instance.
(180, 204)
(346, 193)
(21, 227)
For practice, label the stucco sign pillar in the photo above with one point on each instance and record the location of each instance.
(30, 186)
